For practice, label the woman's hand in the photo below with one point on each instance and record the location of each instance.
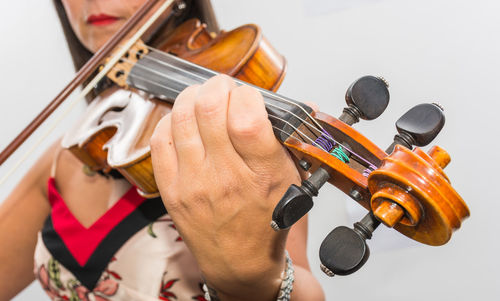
(220, 172)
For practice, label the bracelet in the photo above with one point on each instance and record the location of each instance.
(287, 278)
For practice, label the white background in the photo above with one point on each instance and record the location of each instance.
(429, 50)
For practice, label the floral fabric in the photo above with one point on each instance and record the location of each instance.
(154, 264)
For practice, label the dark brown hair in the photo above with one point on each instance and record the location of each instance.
(78, 52)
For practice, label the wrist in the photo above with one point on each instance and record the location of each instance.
(271, 284)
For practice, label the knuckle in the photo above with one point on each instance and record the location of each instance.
(188, 92)
(170, 197)
(250, 92)
(182, 117)
(213, 97)
(157, 138)
(188, 143)
(222, 78)
(182, 111)
(155, 142)
(185, 95)
(248, 125)
(209, 104)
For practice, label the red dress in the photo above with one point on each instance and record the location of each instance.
(132, 252)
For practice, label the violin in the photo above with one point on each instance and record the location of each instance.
(402, 187)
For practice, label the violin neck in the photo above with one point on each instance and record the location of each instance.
(165, 76)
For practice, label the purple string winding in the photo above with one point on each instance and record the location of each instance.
(324, 142)
(367, 172)
(327, 142)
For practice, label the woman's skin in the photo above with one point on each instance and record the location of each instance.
(95, 21)
(220, 171)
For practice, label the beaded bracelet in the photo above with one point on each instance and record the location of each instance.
(287, 278)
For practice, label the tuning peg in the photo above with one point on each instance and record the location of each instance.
(344, 250)
(367, 98)
(419, 126)
(297, 200)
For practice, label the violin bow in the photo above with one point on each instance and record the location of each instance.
(84, 74)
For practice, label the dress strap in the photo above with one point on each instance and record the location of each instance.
(53, 168)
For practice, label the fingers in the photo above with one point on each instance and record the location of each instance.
(211, 114)
(249, 128)
(163, 154)
(218, 121)
(186, 136)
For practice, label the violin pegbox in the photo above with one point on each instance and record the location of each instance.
(122, 69)
(331, 151)
(404, 189)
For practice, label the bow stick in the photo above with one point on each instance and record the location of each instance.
(84, 74)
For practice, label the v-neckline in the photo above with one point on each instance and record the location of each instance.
(81, 241)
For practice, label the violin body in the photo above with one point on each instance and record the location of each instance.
(243, 53)
(103, 142)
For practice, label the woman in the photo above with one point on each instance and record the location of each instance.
(219, 184)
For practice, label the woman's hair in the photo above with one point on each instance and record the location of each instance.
(79, 53)
(201, 9)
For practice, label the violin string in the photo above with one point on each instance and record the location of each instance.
(272, 116)
(301, 134)
(369, 164)
(298, 131)
(166, 76)
(288, 134)
(305, 122)
(263, 91)
(365, 173)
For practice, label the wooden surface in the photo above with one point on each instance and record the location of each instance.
(242, 53)
(408, 191)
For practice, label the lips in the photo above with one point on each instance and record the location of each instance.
(101, 19)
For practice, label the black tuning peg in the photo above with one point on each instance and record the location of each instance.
(367, 98)
(297, 200)
(344, 250)
(419, 126)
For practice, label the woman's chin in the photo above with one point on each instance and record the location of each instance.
(100, 35)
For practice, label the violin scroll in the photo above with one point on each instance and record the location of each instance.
(403, 189)
(399, 202)
(432, 209)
